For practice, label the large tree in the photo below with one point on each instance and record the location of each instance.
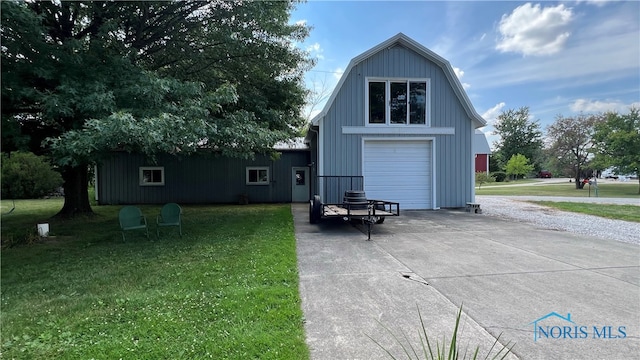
(617, 142)
(81, 79)
(518, 135)
(571, 142)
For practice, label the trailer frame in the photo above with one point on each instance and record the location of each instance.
(375, 213)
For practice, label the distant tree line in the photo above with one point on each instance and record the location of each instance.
(576, 147)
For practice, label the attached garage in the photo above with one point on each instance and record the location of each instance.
(400, 171)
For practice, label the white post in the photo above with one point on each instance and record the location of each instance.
(43, 230)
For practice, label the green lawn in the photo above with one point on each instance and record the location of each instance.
(626, 190)
(228, 289)
(617, 212)
(511, 182)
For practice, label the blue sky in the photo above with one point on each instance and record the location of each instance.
(556, 58)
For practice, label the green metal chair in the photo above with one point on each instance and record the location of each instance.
(131, 218)
(170, 215)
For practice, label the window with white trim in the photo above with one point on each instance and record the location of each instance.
(397, 102)
(258, 175)
(151, 175)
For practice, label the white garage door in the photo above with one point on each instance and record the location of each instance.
(398, 171)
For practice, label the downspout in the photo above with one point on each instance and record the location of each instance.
(473, 168)
(314, 164)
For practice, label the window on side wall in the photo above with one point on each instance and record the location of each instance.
(258, 175)
(397, 102)
(151, 176)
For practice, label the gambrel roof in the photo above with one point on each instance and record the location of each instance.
(480, 143)
(409, 43)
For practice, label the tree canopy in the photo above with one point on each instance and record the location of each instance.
(80, 79)
(617, 142)
(571, 141)
(518, 135)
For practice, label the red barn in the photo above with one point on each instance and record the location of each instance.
(481, 151)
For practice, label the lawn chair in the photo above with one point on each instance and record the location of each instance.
(170, 215)
(131, 218)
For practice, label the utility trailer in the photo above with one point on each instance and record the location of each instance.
(354, 207)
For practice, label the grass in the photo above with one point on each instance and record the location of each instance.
(510, 182)
(614, 190)
(610, 190)
(227, 289)
(618, 212)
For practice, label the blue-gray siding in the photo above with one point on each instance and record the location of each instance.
(197, 179)
(342, 154)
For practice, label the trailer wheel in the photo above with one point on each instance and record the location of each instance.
(380, 206)
(312, 220)
(315, 209)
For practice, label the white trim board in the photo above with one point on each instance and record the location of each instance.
(398, 130)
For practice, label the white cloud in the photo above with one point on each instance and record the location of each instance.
(459, 73)
(596, 106)
(492, 114)
(302, 22)
(337, 73)
(596, 60)
(533, 30)
(315, 50)
(314, 47)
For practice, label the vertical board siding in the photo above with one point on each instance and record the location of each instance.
(197, 179)
(342, 154)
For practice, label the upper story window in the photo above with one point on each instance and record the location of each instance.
(397, 102)
(151, 175)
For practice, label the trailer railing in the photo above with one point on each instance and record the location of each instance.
(333, 187)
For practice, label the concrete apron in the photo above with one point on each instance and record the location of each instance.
(507, 275)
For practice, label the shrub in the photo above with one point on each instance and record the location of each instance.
(482, 178)
(27, 176)
(518, 165)
(500, 176)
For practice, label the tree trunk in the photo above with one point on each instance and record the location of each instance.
(578, 182)
(76, 195)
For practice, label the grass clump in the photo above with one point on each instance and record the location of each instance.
(227, 289)
(440, 350)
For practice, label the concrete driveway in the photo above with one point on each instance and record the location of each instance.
(555, 294)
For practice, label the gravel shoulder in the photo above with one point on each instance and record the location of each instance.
(517, 208)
